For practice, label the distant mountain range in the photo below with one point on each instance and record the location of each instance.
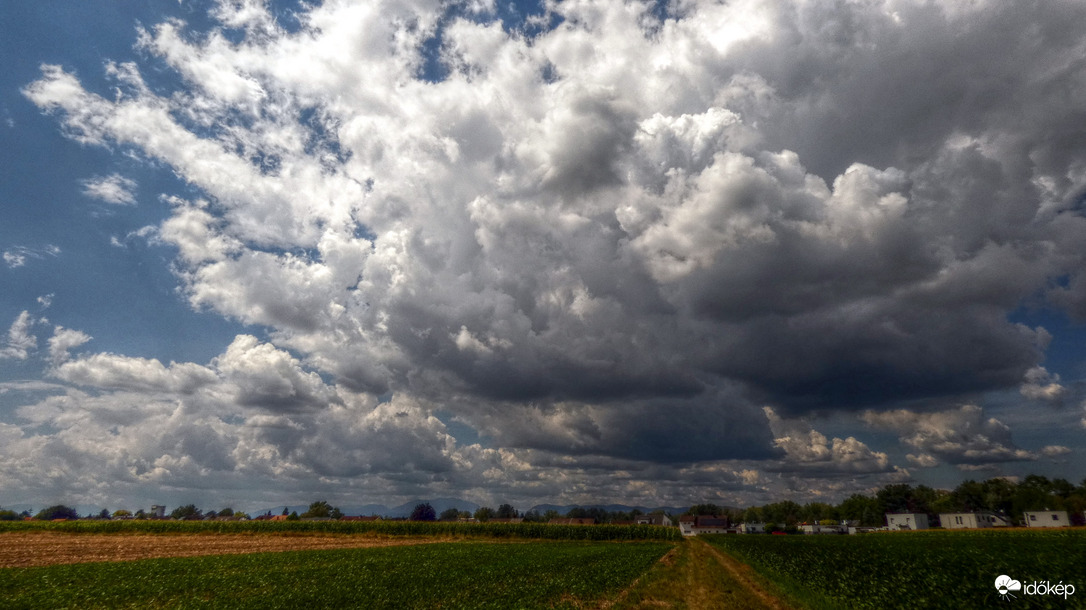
(611, 508)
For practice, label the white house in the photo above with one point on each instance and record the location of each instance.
(654, 519)
(906, 521)
(752, 528)
(971, 520)
(158, 511)
(1046, 518)
(691, 525)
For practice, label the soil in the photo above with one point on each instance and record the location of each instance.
(25, 549)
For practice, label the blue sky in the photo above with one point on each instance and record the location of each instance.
(566, 252)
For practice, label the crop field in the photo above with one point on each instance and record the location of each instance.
(450, 575)
(926, 569)
(380, 528)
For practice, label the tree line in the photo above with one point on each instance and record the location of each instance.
(998, 495)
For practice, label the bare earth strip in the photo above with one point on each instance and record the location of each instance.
(25, 549)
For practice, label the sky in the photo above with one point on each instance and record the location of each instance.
(653, 253)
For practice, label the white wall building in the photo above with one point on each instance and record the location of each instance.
(1046, 518)
(954, 521)
(906, 521)
(690, 525)
(752, 528)
(816, 528)
(656, 519)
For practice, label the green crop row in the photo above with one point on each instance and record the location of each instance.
(454, 575)
(387, 528)
(933, 569)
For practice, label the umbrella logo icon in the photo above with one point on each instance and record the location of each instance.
(1005, 584)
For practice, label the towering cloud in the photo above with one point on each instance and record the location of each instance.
(608, 232)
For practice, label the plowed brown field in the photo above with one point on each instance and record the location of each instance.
(23, 549)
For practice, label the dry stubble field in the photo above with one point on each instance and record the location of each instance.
(38, 548)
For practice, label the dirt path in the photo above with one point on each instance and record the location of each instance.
(744, 574)
(696, 576)
(24, 549)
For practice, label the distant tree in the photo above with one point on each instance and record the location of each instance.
(121, 514)
(140, 514)
(10, 515)
(189, 512)
(211, 515)
(56, 512)
(293, 516)
(240, 516)
(335, 513)
(999, 495)
(533, 516)
(450, 514)
(864, 509)
(819, 511)
(968, 496)
(423, 512)
(894, 498)
(104, 514)
(226, 512)
(704, 509)
(319, 510)
(753, 515)
(285, 513)
(506, 511)
(484, 513)
(550, 514)
(786, 513)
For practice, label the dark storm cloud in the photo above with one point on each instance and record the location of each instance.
(814, 206)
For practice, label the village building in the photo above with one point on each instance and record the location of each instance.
(157, 511)
(655, 519)
(971, 520)
(906, 521)
(692, 525)
(1046, 518)
(752, 528)
(572, 521)
(816, 528)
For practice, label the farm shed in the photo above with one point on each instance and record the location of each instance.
(971, 520)
(907, 521)
(1046, 518)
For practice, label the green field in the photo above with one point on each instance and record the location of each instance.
(448, 575)
(383, 528)
(927, 569)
